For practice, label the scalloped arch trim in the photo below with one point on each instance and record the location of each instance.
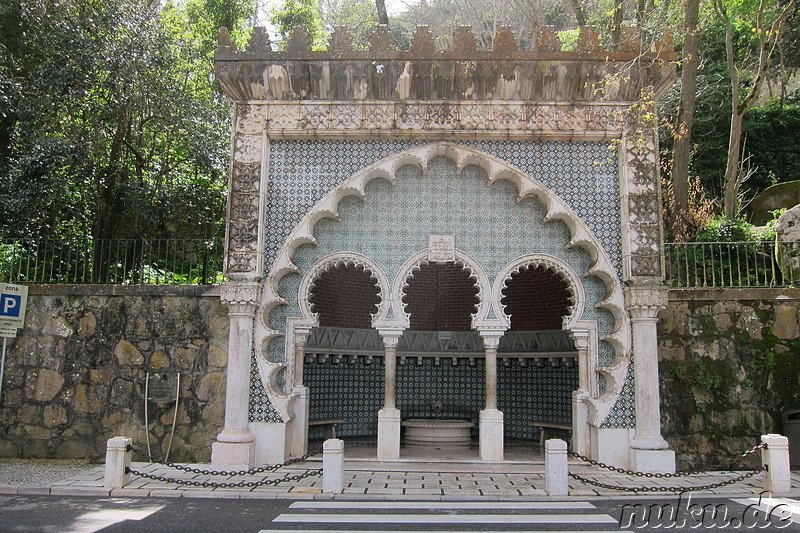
(490, 313)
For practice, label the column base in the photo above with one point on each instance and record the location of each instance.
(233, 454)
(298, 442)
(652, 460)
(389, 433)
(491, 435)
(649, 443)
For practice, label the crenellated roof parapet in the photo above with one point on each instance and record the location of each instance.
(544, 73)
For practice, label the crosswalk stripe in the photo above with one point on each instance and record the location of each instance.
(439, 505)
(777, 508)
(429, 531)
(446, 519)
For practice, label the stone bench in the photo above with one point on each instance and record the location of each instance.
(545, 430)
(328, 426)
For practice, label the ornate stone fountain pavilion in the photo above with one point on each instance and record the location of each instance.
(460, 234)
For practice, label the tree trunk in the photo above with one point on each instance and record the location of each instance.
(768, 42)
(619, 16)
(683, 136)
(732, 171)
(580, 15)
(383, 16)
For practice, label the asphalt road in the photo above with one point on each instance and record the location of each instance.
(117, 515)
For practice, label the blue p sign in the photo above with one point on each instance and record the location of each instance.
(10, 305)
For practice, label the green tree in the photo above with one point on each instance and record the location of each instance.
(766, 21)
(358, 16)
(304, 13)
(114, 127)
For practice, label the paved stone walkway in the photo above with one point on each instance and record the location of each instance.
(363, 480)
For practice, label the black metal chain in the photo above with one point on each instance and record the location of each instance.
(654, 474)
(223, 484)
(717, 485)
(256, 470)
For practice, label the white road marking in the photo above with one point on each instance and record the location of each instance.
(427, 531)
(439, 505)
(783, 510)
(446, 519)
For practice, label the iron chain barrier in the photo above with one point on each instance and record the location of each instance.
(228, 473)
(662, 475)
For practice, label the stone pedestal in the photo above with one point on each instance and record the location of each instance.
(491, 435)
(333, 466)
(555, 467)
(389, 433)
(233, 453)
(652, 460)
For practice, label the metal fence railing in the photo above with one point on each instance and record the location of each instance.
(731, 264)
(112, 261)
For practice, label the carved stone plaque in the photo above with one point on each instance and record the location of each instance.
(441, 248)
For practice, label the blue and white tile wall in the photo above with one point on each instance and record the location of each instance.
(395, 222)
(353, 392)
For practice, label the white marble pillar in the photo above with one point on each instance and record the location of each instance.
(389, 416)
(649, 450)
(581, 435)
(491, 419)
(298, 445)
(235, 444)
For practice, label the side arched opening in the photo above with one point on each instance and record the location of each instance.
(342, 367)
(537, 367)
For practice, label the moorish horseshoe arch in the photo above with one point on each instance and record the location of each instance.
(411, 266)
(490, 312)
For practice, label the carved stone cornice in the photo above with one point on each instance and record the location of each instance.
(461, 74)
(432, 119)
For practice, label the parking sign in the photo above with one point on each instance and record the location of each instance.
(13, 300)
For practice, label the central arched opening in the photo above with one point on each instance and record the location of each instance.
(440, 373)
(539, 369)
(341, 367)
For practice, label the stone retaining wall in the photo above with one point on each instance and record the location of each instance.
(75, 375)
(730, 365)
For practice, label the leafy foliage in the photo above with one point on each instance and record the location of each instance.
(305, 13)
(114, 126)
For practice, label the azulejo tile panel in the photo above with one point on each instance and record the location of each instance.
(353, 392)
(394, 222)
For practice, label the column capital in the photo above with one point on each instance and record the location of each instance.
(491, 337)
(301, 335)
(644, 302)
(241, 297)
(390, 337)
(580, 337)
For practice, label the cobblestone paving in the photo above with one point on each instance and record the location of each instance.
(41, 471)
(362, 479)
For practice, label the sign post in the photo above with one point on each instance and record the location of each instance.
(13, 301)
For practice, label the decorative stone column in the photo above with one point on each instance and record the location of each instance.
(389, 416)
(299, 432)
(649, 450)
(234, 444)
(491, 419)
(581, 440)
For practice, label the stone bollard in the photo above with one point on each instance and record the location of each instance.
(555, 467)
(333, 466)
(118, 459)
(775, 457)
